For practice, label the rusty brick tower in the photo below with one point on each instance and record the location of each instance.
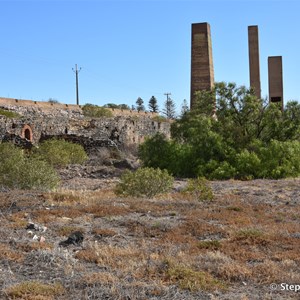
(202, 70)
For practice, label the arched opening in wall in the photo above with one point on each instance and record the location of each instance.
(27, 133)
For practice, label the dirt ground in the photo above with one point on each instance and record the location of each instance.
(244, 244)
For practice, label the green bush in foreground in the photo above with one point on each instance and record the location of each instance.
(59, 153)
(21, 172)
(200, 189)
(145, 182)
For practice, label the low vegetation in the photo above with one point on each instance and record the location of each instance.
(60, 153)
(232, 247)
(9, 114)
(35, 290)
(145, 182)
(199, 188)
(240, 137)
(20, 169)
(95, 111)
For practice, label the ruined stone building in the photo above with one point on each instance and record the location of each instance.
(38, 121)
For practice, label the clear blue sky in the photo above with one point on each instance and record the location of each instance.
(130, 49)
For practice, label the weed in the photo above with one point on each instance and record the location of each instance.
(234, 208)
(211, 245)
(30, 289)
(192, 280)
(200, 189)
(67, 230)
(249, 233)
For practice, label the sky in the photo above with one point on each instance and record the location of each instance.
(129, 49)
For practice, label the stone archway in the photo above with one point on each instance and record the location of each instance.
(27, 133)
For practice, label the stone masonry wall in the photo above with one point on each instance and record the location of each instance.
(41, 120)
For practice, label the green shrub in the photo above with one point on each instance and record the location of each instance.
(9, 114)
(280, 159)
(200, 189)
(94, 111)
(10, 164)
(247, 165)
(221, 171)
(145, 182)
(38, 175)
(59, 153)
(21, 172)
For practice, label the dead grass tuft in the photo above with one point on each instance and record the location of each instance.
(35, 290)
(192, 280)
(100, 278)
(7, 253)
(67, 230)
(103, 232)
(89, 255)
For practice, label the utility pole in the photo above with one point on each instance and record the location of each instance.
(76, 71)
(167, 94)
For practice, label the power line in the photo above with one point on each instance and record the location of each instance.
(76, 71)
(167, 94)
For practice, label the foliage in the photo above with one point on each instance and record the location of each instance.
(157, 152)
(200, 189)
(117, 106)
(94, 111)
(153, 106)
(145, 182)
(230, 134)
(8, 114)
(140, 104)
(280, 159)
(53, 101)
(169, 109)
(59, 153)
(184, 107)
(22, 172)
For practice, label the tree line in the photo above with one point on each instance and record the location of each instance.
(168, 110)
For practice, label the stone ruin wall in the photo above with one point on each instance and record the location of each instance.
(42, 120)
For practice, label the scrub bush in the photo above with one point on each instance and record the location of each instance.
(59, 153)
(200, 189)
(22, 172)
(94, 111)
(145, 182)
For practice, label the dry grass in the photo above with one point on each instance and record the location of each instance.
(7, 253)
(138, 248)
(35, 290)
